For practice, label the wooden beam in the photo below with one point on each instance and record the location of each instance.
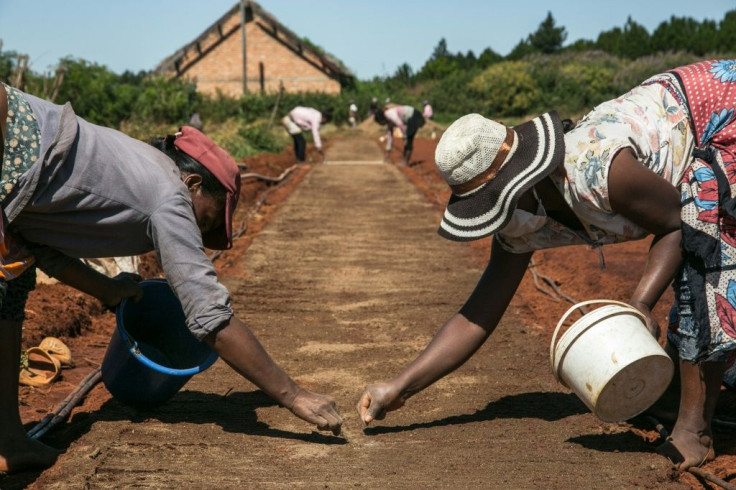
(245, 57)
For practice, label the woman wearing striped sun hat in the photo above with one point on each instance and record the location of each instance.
(656, 161)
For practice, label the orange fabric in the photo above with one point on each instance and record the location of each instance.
(15, 258)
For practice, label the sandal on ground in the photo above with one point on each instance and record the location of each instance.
(59, 350)
(41, 369)
(669, 451)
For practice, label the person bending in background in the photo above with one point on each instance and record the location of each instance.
(301, 119)
(352, 114)
(659, 160)
(70, 189)
(373, 106)
(407, 119)
(427, 110)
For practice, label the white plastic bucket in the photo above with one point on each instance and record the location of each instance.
(610, 360)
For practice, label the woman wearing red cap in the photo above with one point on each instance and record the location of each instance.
(659, 160)
(70, 189)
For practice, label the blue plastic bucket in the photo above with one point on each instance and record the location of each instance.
(152, 354)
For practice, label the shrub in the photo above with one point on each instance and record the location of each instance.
(636, 71)
(505, 89)
(165, 99)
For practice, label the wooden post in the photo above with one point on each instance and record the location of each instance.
(276, 105)
(245, 64)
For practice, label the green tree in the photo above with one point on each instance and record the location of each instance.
(440, 51)
(523, 48)
(706, 38)
(581, 45)
(727, 32)
(404, 74)
(634, 41)
(488, 57)
(505, 89)
(96, 92)
(674, 34)
(440, 64)
(609, 41)
(7, 63)
(548, 38)
(165, 99)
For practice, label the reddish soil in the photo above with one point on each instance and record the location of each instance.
(81, 322)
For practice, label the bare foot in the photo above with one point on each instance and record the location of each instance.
(686, 449)
(27, 454)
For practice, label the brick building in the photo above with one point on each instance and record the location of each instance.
(274, 55)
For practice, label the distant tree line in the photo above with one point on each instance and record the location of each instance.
(631, 41)
(540, 73)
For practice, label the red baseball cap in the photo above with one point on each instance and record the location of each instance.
(198, 146)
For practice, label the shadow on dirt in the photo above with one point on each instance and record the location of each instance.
(614, 443)
(549, 406)
(235, 412)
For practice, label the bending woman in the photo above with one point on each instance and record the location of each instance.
(407, 119)
(70, 189)
(659, 161)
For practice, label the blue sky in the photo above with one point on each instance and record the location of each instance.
(371, 37)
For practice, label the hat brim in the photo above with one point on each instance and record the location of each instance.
(540, 149)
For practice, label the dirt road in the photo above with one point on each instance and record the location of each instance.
(344, 287)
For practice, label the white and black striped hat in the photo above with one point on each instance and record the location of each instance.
(489, 166)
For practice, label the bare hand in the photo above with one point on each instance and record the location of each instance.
(124, 285)
(317, 409)
(377, 400)
(651, 323)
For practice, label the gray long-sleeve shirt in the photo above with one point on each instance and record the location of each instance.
(96, 192)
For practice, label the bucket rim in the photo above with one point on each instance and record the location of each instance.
(135, 350)
(553, 355)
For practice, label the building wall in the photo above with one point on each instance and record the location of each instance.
(221, 67)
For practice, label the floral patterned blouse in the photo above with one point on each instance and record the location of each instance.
(650, 121)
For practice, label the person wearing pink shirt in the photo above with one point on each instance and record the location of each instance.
(407, 119)
(427, 112)
(301, 119)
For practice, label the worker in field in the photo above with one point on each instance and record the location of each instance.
(404, 118)
(301, 119)
(70, 189)
(427, 110)
(352, 114)
(656, 161)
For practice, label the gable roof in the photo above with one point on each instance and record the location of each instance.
(327, 63)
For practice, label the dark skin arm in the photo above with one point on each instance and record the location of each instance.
(651, 202)
(237, 346)
(235, 343)
(456, 341)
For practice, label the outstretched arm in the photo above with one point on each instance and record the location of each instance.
(651, 202)
(237, 346)
(456, 341)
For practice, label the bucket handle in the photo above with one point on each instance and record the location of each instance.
(553, 343)
(136, 352)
